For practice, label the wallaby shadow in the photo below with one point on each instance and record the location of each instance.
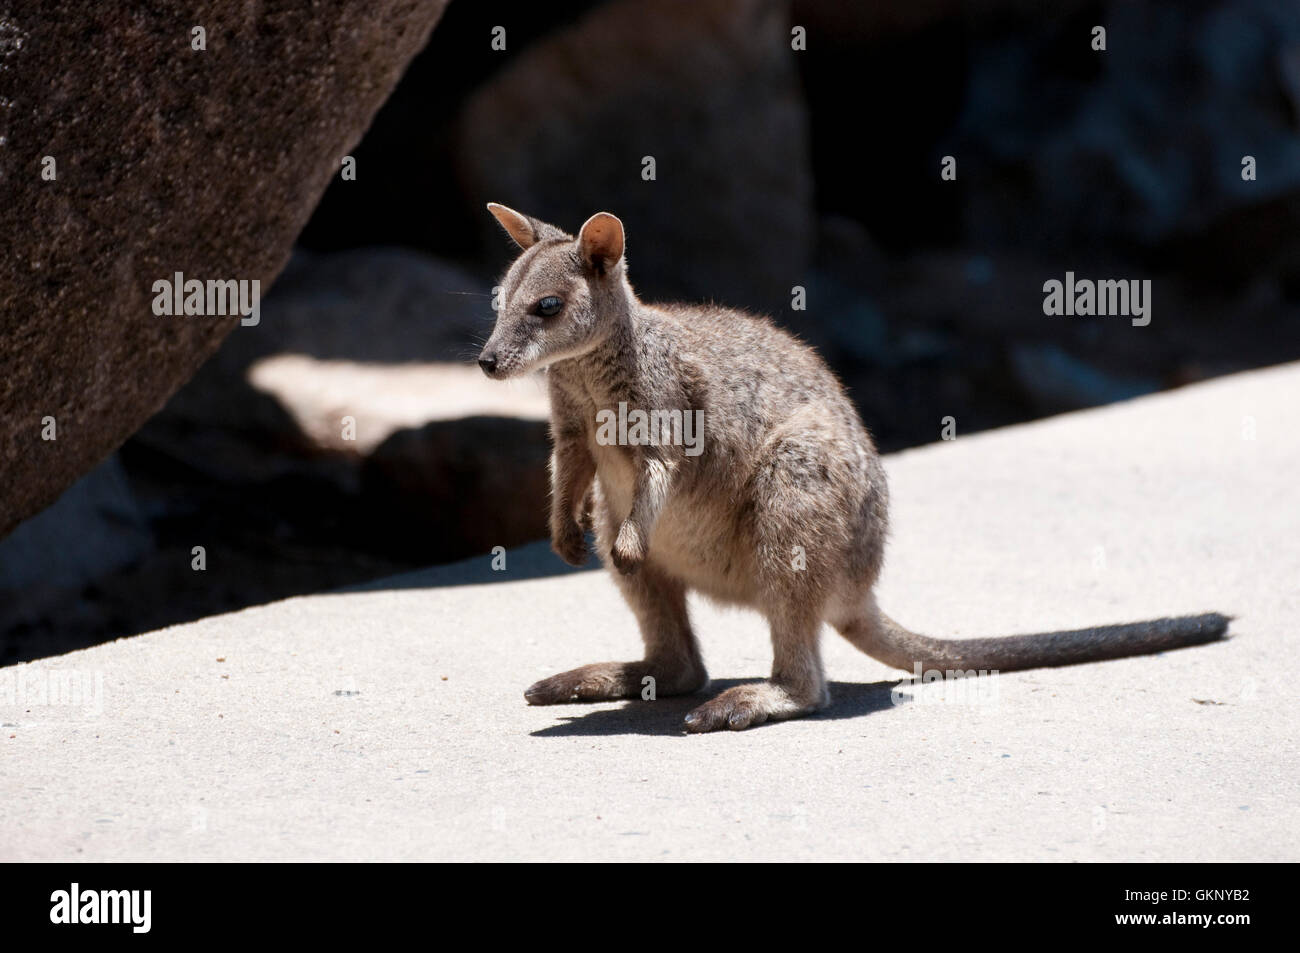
(528, 561)
(665, 716)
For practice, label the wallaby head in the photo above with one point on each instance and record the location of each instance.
(561, 297)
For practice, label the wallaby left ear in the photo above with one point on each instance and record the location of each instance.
(524, 229)
(601, 241)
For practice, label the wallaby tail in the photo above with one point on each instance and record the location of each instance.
(881, 637)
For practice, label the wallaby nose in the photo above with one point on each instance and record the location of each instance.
(488, 362)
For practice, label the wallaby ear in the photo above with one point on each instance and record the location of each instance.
(524, 229)
(601, 241)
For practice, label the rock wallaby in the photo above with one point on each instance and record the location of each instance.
(779, 504)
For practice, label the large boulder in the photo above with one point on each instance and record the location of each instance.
(165, 159)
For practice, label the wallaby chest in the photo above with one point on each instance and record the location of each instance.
(577, 401)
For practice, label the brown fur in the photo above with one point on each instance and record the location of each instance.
(786, 463)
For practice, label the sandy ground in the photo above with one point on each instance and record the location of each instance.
(389, 723)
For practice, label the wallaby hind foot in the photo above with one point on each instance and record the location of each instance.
(672, 665)
(797, 686)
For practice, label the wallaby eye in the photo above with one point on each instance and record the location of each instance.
(549, 306)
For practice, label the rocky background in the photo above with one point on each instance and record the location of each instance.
(774, 168)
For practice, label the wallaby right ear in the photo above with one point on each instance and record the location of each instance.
(525, 230)
(601, 241)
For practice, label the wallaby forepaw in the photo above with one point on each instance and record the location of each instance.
(628, 551)
(570, 545)
(586, 520)
(606, 681)
(602, 681)
(747, 705)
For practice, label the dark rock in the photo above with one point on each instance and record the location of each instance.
(168, 159)
(1057, 381)
(460, 487)
(95, 528)
(1128, 149)
(710, 90)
